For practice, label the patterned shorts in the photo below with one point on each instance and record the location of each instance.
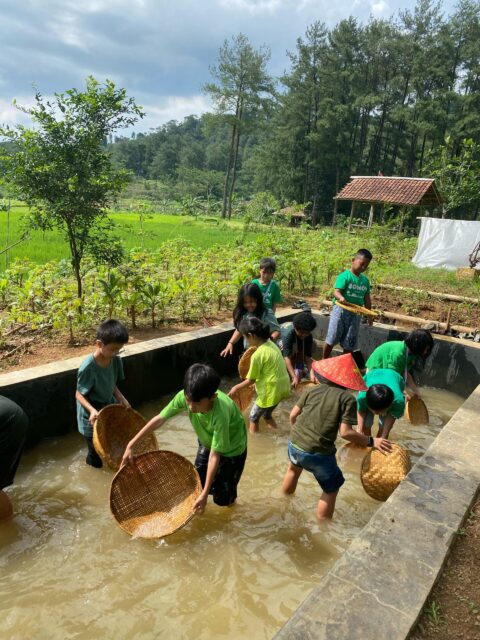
(343, 328)
(257, 412)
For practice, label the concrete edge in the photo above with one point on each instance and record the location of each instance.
(378, 588)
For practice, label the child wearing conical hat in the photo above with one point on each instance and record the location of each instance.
(317, 418)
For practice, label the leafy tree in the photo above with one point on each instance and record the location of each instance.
(241, 94)
(61, 168)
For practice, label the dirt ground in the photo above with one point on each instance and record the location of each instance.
(453, 609)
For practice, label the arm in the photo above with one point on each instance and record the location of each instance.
(86, 405)
(387, 425)
(348, 433)
(366, 431)
(411, 385)
(213, 463)
(294, 413)
(368, 305)
(339, 295)
(153, 424)
(121, 398)
(289, 365)
(308, 362)
(240, 385)
(275, 335)
(233, 340)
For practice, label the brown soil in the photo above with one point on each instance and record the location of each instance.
(453, 609)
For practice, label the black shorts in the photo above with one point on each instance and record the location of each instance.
(13, 431)
(229, 472)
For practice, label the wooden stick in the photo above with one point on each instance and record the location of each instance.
(433, 294)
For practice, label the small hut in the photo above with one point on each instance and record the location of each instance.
(296, 216)
(381, 190)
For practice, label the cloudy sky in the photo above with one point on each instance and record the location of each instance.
(159, 50)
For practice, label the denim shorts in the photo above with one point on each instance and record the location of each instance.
(324, 467)
(343, 328)
(257, 412)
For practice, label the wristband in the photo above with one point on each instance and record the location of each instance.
(370, 441)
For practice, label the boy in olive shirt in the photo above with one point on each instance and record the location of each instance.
(220, 429)
(319, 416)
(350, 286)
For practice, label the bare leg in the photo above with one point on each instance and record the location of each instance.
(271, 423)
(326, 506)
(327, 350)
(6, 508)
(291, 479)
(253, 427)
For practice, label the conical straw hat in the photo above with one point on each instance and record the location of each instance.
(416, 411)
(154, 495)
(244, 362)
(341, 370)
(382, 473)
(243, 397)
(114, 428)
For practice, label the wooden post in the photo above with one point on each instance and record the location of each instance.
(335, 208)
(352, 211)
(370, 216)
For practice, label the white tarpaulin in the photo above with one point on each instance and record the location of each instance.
(446, 243)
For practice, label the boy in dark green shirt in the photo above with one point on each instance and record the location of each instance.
(267, 285)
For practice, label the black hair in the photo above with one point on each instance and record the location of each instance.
(304, 321)
(363, 253)
(255, 327)
(379, 397)
(251, 290)
(269, 264)
(326, 381)
(112, 331)
(419, 342)
(201, 381)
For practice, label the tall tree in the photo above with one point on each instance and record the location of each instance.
(241, 93)
(62, 170)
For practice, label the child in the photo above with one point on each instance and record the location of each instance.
(250, 303)
(384, 397)
(220, 429)
(267, 285)
(297, 345)
(321, 413)
(267, 371)
(97, 380)
(13, 432)
(400, 355)
(350, 286)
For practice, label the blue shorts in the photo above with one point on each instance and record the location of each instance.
(323, 466)
(343, 328)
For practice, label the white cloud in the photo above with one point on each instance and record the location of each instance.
(11, 116)
(253, 6)
(172, 108)
(380, 8)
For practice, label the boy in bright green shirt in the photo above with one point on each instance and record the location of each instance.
(267, 372)
(267, 285)
(220, 429)
(384, 397)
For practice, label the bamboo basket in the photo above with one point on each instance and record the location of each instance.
(154, 496)
(382, 473)
(114, 428)
(244, 362)
(416, 411)
(358, 309)
(244, 397)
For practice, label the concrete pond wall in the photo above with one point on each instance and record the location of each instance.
(378, 587)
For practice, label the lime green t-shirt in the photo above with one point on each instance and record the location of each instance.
(270, 292)
(391, 355)
(354, 288)
(221, 429)
(393, 381)
(268, 369)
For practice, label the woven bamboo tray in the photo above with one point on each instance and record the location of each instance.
(382, 473)
(416, 411)
(154, 496)
(356, 308)
(244, 397)
(113, 430)
(244, 362)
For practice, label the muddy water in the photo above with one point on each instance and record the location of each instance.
(67, 571)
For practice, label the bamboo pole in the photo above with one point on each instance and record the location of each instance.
(433, 294)
(411, 320)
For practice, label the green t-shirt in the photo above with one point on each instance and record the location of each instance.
(221, 429)
(324, 408)
(267, 368)
(354, 288)
(391, 379)
(391, 355)
(270, 292)
(97, 384)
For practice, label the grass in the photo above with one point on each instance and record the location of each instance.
(41, 247)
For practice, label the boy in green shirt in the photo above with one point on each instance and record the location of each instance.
(267, 372)
(97, 380)
(350, 286)
(267, 285)
(220, 429)
(384, 397)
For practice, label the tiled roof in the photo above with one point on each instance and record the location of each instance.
(402, 191)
